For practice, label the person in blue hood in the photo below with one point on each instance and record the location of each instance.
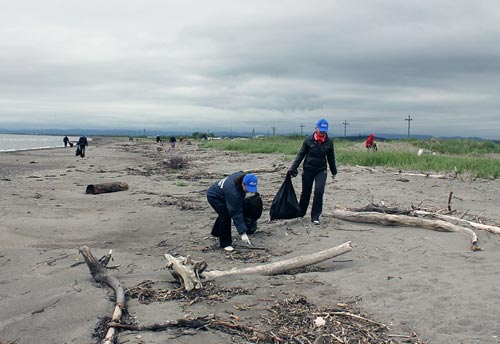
(80, 146)
(227, 198)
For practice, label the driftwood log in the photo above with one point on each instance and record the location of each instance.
(100, 274)
(427, 214)
(405, 220)
(458, 221)
(190, 274)
(186, 271)
(426, 175)
(106, 187)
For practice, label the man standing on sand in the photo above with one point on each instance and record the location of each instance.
(66, 141)
(316, 151)
(80, 146)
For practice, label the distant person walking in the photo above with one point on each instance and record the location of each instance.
(317, 149)
(227, 198)
(158, 138)
(80, 146)
(67, 142)
(370, 143)
(172, 141)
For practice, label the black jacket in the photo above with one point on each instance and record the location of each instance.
(233, 195)
(316, 155)
(82, 142)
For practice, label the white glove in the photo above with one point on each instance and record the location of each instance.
(244, 237)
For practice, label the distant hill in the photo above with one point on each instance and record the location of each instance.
(151, 132)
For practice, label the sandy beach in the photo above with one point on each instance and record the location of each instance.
(414, 280)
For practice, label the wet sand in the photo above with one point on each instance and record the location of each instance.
(411, 279)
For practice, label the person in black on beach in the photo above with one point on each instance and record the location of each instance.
(316, 151)
(80, 146)
(66, 141)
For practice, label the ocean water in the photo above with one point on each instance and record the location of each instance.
(12, 142)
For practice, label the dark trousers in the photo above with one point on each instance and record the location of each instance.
(222, 226)
(319, 180)
(82, 151)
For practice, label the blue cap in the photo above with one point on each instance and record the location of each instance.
(250, 182)
(322, 125)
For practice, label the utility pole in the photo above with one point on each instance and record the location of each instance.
(345, 126)
(409, 119)
(253, 132)
(301, 127)
(274, 130)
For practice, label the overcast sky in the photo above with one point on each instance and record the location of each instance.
(243, 65)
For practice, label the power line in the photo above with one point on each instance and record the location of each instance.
(301, 127)
(409, 119)
(345, 126)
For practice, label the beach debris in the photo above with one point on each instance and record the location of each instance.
(434, 220)
(176, 162)
(190, 273)
(106, 187)
(100, 274)
(319, 322)
(290, 320)
(145, 293)
(422, 151)
(183, 203)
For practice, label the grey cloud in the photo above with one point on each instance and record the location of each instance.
(272, 63)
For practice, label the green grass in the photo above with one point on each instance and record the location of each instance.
(465, 160)
(475, 166)
(458, 146)
(277, 144)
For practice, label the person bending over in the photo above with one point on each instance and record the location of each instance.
(227, 198)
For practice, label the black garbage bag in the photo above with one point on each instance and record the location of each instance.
(252, 211)
(78, 150)
(285, 204)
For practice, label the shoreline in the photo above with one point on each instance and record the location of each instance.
(411, 279)
(94, 140)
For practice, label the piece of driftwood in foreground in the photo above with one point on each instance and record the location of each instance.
(404, 220)
(204, 323)
(106, 187)
(186, 271)
(190, 275)
(100, 274)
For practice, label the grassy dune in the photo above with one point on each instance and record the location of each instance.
(471, 158)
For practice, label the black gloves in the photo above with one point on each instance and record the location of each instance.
(293, 173)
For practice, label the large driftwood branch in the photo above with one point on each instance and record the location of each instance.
(106, 187)
(456, 220)
(100, 274)
(422, 213)
(190, 277)
(284, 265)
(404, 220)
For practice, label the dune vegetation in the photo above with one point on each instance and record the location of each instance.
(477, 159)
